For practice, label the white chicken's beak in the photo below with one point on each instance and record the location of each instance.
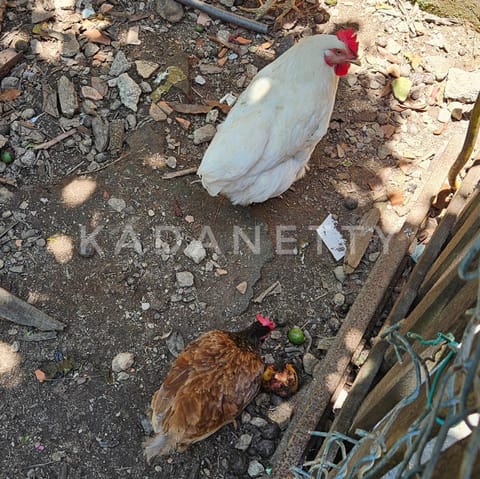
(355, 61)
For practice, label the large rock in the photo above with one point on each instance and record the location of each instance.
(462, 85)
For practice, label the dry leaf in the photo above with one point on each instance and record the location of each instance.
(189, 109)
(9, 95)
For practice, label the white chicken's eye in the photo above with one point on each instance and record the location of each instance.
(338, 51)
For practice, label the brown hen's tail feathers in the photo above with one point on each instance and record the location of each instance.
(157, 445)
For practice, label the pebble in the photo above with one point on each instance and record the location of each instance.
(28, 113)
(462, 85)
(195, 251)
(184, 279)
(265, 447)
(243, 442)
(100, 133)
(120, 64)
(122, 376)
(122, 361)
(238, 463)
(2, 263)
(334, 324)
(199, 80)
(146, 69)
(129, 91)
(170, 10)
(67, 97)
(339, 299)
(258, 422)
(309, 363)
(372, 257)
(339, 273)
(443, 115)
(350, 203)
(212, 116)
(255, 469)
(117, 204)
(270, 431)
(281, 414)
(172, 162)
(203, 134)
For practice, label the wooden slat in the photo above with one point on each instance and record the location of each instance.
(316, 398)
(18, 311)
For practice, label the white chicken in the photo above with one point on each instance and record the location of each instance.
(265, 142)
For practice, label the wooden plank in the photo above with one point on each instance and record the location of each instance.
(8, 59)
(360, 239)
(18, 311)
(400, 379)
(469, 229)
(326, 376)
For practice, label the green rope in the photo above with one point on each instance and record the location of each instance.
(449, 340)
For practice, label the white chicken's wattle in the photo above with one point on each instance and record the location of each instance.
(269, 135)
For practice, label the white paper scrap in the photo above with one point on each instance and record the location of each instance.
(333, 239)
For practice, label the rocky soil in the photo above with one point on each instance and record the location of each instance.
(104, 106)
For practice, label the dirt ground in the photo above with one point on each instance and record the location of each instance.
(99, 251)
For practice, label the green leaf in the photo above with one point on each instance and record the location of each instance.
(401, 88)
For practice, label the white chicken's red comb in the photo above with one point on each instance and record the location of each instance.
(349, 37)
(264, 321)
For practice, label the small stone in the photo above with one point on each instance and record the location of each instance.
(443, 115)
(334, 324)
(456, 110)
(195, 251)
(199, 80)
(117, 204)
(255, 469)
(189, 219)
(243, 442)
(372, 257)
(438, 65)
(242, 287)
(67, 97)
(120, 64)
(70, 45)
(146, 69)
(184, 279)
(122, 361)
(281, 414)
(172, 162)
(28, 113)
(393, 46)
(100, 133)
(238, 463)
(338, 299)
(15, 347)
(339, 273)
(265, 448)
(170, 10)
(90, 49)
(90, 93)
(203, 134)
(212, 116)
(129, 91)
(258, 422)
(462, 85)
(270, 431)
(123, 376)
(350, 203)
(309, 363)
(145, 306)
(2, 263)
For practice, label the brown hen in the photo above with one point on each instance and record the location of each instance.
(209, 384)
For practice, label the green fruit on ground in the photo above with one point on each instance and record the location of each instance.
(6, 157)
(296, 336)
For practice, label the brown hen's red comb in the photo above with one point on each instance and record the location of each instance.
(264, 321)
(349, 37)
